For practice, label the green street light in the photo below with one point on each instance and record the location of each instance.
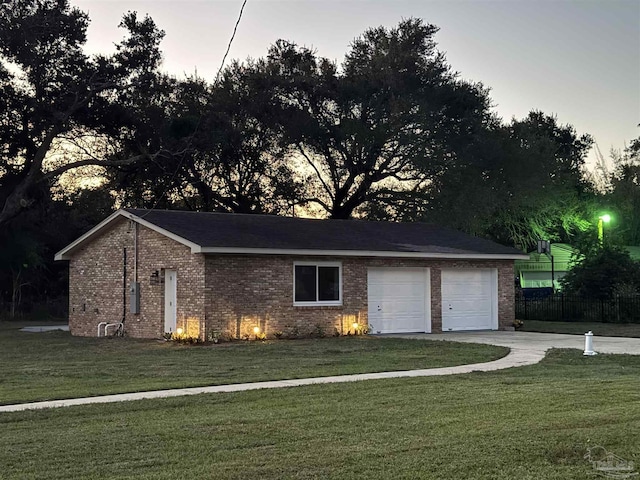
(602, 219)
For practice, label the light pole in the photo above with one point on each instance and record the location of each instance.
(602, 219)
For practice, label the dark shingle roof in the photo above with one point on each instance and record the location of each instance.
(243, 231)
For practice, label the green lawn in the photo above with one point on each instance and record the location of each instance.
(44, 366)
(528, 423)
(580, 328)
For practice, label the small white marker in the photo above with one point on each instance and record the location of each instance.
(588, 344)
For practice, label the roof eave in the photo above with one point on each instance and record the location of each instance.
(361, 253)
(65, 253)
(195, 248)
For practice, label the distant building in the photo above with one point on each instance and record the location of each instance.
(536, 272)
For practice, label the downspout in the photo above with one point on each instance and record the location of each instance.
(124, 285)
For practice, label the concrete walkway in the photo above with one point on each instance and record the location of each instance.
(45, 328)
(526, 349)
(538, 341)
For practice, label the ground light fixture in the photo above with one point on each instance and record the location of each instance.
(256, 330)
(179, 331)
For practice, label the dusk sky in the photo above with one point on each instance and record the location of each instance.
(579, 60)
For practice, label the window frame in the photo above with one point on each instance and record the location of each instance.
(318, 303)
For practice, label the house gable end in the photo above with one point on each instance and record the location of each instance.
(109, 223)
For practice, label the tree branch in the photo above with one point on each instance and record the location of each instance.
(101, 163)
(315, 168)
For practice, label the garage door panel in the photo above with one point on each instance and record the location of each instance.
(472, 322)
(398, 307)
(469, 299)
(472, 306)
(407, 290)
(465, 290)
(398, 299)
(394, 276)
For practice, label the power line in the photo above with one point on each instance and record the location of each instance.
(182, 157)
(231, 40)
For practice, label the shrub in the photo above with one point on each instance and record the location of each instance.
(318, 331)
(293, 331)
(214, 336)
(603, 274)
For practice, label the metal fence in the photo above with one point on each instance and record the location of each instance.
(572, 308)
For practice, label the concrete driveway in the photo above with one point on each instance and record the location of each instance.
(536, 341)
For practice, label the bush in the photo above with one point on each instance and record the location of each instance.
(603, 275)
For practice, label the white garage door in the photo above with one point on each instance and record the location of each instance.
(399, 300)
(469, 300)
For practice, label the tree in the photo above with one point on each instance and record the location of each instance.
(29, 276)
(20, 258)
(608, 272)
(239, 167)
(52, 93)
(380, 127)
(516, 183)
(623, 196)
(231, 160)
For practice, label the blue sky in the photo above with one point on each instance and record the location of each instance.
(577, 59)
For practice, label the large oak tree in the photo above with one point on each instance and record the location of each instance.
(53, 95)
(379, 127)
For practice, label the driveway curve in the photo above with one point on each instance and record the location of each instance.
(538, 341)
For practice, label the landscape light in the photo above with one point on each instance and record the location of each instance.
(256, 330)
(179, 331)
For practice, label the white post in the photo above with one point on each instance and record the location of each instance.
(100, 326)
(588, 343)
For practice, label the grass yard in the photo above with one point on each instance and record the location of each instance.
(55, 365)
(528, 423)
(580, 328)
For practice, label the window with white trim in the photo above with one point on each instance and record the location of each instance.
(317, 283)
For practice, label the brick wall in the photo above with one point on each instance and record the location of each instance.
(247, 291)
(240, 291)
(96, 283)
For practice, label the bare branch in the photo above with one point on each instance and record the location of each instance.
(101, 163)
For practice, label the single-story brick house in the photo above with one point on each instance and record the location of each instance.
(158, 271)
